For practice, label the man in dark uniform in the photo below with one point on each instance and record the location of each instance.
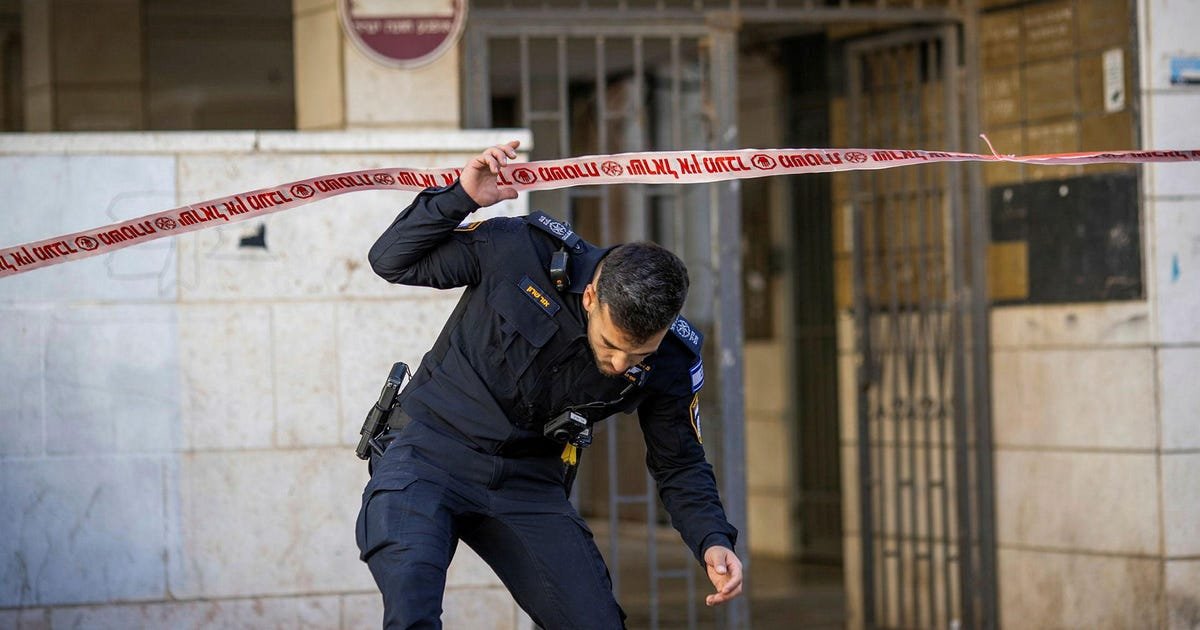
(466, 456)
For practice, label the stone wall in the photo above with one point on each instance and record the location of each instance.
(178, 418)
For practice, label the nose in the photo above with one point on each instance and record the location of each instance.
(621, 362)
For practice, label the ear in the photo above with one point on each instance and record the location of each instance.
(589, 296)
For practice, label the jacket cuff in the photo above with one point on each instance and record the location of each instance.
(452, 201)
(715, 539)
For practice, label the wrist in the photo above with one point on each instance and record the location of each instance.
(715, 539)
(452, 202)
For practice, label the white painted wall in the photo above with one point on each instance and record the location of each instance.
(177, 419)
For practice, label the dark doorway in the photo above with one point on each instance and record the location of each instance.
(816, 497)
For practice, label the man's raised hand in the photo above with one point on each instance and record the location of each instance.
(479, 176)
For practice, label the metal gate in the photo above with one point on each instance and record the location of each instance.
(924, 435)
(593, 82)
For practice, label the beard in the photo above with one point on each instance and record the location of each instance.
(604, 370)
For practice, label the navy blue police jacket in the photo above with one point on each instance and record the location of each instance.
(514, 353)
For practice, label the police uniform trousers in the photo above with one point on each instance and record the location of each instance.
(430, 491)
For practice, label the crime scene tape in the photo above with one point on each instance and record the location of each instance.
(667, 167)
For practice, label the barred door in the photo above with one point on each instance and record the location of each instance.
(594, 82)
(923, 437)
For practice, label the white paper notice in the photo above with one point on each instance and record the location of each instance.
(1114, 80)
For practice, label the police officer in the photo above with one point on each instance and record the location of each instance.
(548, 326)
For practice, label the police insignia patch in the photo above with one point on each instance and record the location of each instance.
(467, 227)
(694, 412)
(687, 334)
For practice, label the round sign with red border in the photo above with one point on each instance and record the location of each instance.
(403, 33)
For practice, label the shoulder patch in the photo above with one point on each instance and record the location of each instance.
(468, 227)
(688, 335)
(560, 230)
(539, 296)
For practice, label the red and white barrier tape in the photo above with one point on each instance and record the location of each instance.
(671, 167)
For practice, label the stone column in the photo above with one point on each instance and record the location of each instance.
(339, 87)
(83, 65)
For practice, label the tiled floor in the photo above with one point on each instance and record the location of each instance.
(783, 594)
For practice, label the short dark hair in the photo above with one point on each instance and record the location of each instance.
(644, 286)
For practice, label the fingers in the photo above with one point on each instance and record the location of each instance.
(722, 597)
(497, 156)
(725, 572)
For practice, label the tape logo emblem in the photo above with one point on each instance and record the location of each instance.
(763, 162)
(524, 176)
(303, 191)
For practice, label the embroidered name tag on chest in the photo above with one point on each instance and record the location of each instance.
(539, 297)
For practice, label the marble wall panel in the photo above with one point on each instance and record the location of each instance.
(305, 371)
(372, 335)
(463, 607)
(1102, 324)
(1176, 263)
(362, 610)
(1086, 398)
(82, 530)
(1179, 397)
(228, 392)
(112, 379)
(474, 607)
(53, 195)
(22, 390)
(1061, 590)
(1097, 502)
(1181, 505)
(1183, 594)
(268, 523)
(116, 144)
(315, 613)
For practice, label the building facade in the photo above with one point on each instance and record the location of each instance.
(965, 392)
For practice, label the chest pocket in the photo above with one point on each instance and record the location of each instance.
(523, 329)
